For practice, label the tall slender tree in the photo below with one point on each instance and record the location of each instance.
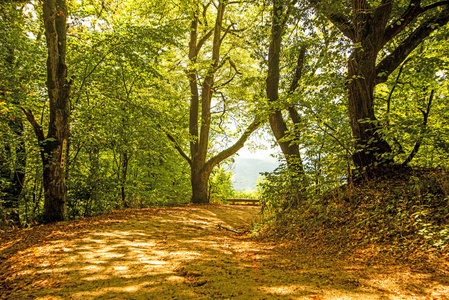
(201, 95)
(284, 136)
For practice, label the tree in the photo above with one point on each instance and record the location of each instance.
(303, 87)
(53, 146)
(201, 95)
(383, 34)
(284, 136)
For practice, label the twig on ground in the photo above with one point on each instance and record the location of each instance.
(229, 229)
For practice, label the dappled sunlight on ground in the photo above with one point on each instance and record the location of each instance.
(181, 253)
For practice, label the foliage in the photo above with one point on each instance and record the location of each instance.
(122, 159)
(220, 185)
(280, 191)
(420, 84)
(405, 209)
(113, 109)
(246, 194)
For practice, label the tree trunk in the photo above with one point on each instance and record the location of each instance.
(200, 180)
(55, 206)
(281, 132)
(200, 140)
(55, 21)
(370, 147)
(368, 38)
(125, 203)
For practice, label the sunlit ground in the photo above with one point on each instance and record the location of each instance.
(180, 253)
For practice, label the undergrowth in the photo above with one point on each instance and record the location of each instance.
(404, 208)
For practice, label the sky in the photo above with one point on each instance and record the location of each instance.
(249, 163)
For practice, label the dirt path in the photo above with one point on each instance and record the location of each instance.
(181, 253)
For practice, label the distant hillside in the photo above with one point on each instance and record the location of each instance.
(247, 170)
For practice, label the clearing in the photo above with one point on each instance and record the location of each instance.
(185, 253)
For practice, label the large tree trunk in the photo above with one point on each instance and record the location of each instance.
(369, 144)
(200, 136)
(200, 180)
(370, 28)
(368, 34)
(55, 20)
(55, 206)
(52, 152)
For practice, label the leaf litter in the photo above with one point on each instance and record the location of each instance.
(185, 253)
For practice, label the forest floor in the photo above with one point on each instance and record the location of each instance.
(185, 253)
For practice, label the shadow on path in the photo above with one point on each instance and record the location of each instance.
(180, 253)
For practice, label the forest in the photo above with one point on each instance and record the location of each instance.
(109, 105)
(120, 123)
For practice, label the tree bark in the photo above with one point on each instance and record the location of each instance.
(370, 29)
(422, 132)
(55, 191)
(368, 33)
(125, 164)
(200, 180)
(279, 127)
(369, 143)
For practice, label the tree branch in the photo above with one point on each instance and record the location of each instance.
(36, 127)
(234, 67)
(413, 10)
(205, 7)
(226, 32)
(212, 162)
(334, 137)
(226, 82)
(434, 5)
(394, 87)
(203, 40)
(294, 115)
(338, 19)
(298, 70)
(88, 74)
(176, 145)
(392, 61)
(423, 129)
(290, 7)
